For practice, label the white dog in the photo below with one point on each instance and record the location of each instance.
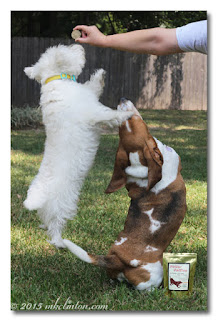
(72, 115)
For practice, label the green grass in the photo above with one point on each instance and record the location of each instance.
(42, 275)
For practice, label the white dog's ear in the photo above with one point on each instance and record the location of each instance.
(29, 71)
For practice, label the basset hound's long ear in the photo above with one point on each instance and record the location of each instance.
(155, 162)
(118, 179)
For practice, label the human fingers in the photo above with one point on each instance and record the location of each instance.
(83, 28)
(91, 35)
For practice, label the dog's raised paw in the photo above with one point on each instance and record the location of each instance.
(99, 76)
(125, 115)
(127, 105)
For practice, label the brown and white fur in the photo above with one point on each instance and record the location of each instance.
(150, 171)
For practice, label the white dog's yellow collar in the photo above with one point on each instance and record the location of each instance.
(61, 77)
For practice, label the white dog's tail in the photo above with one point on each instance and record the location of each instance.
(79, 252)
(109, 261)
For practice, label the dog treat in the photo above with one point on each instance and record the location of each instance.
(75, 34)
(178, 272)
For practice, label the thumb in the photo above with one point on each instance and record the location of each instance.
(81, 40)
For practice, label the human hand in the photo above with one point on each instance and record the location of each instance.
(91, 35)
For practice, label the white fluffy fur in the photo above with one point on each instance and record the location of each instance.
(71, 115)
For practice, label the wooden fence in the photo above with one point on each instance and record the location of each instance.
(176, 81)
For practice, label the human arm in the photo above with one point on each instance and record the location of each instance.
(157, 41)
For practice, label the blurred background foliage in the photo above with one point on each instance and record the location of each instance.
(59, 24)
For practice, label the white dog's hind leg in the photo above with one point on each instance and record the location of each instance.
(55, 228)
(43, 226)
(35, 199)
(37, 193)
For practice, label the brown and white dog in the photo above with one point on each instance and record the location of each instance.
(150, 171)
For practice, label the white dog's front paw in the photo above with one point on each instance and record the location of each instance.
(124, 115)
(100, 75)
(127, 105)
(99, 79)
(96, 82)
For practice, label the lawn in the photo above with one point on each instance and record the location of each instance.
(44, 277)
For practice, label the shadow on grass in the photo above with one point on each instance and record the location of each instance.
(28, 141)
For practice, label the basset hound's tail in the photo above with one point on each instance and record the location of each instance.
(109, 261)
